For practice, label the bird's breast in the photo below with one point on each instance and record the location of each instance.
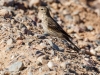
(45, 26)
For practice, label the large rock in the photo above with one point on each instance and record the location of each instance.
(17, 66)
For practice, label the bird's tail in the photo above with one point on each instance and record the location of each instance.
(75, 47)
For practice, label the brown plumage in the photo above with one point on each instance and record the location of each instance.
(51, 27)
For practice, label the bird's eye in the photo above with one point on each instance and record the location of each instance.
(41, 9)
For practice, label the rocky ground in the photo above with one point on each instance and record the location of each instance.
(26, 50)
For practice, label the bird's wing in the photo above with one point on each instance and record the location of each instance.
(55, 26)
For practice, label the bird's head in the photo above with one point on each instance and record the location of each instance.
(43, 10)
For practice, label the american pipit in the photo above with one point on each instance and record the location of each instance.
(51, 27)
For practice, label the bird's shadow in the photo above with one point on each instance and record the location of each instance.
(55, 47)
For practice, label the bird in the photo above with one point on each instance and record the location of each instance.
(51, 27)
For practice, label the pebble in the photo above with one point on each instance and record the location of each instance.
(52, 52)
(82, 28)
(69, 17)
(5, 25)
(24, 30)
(29, 72)
(90, 28)
(77, 36)
(44, 68)
(38, 53)
(70, 30)
(93, 52)
(64, 64)
(97, 42)
(10, 41)
(61, 49)
(82, 43)
(4, 12)
(17, 66)
(2, 41)
(20, 26)
(33, 2)
(53, 44)
(65, 12)
(76, 29)
(54, 5)
(97, 49)
(42, 59)
(19, 36)
(19, 42)
(41, 36)
(56, 58)
(40, 46)
(9, 2)
(9, 48)
(43, 45)
(50, 64)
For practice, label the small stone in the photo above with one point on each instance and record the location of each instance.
(33, 2)
(10, 41)
(2, 41)
(99, 68)
(29, 72)
(90, 28)
(94, 58)
(97, 49)
(53, 44)
(69, 17)
(9, 48)
(43, 45)
(59, 22)
(41, 36)
(38, 53)
(56, 59)
(54, 5)
(98, 58)
(93, 52)
(9, 2)
(17, 66)
(82, 28)
(70, 30)
(76, 29)
(61, 49)
(42, 59)
(50, 64)
(40, 46)
(44, 68)
(77, 36)
(7, 26)
(65, 12)
(97, 42)
(15, 73)
(52, 52)
(4, 12)
(19, 36)
(20, 26)
(19, 42)
(24, 30)
(64, 64)
(75, 12)
(82, 43)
